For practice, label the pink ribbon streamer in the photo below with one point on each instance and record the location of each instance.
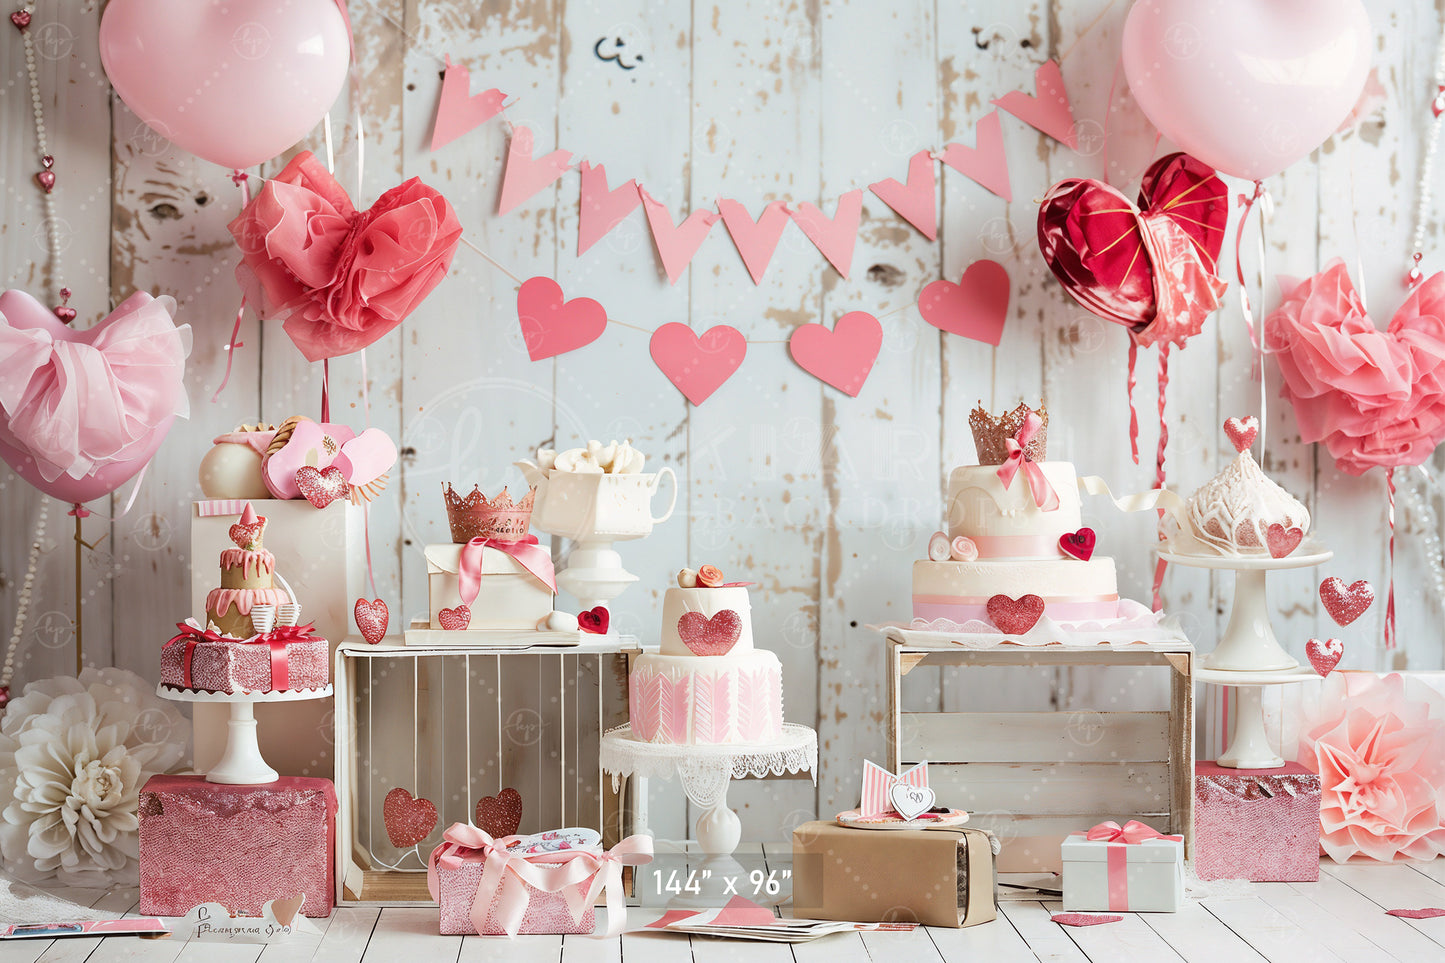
(1390, 598)
(1160, 565)
(1043, 493)
(243, 181)
(580, 875)
(528, 553)
(1119, 839)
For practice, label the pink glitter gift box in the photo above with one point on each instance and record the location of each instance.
(1257, 824)
(484, 889)
(286, 659)
(239, 846)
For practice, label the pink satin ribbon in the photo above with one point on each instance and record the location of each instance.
(192, 635)
(959, 608)
(530, 555)
(1017, 546)
(1044, 495)
(580, 876)
(1119, 839)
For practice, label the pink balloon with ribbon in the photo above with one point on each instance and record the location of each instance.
(83, 411)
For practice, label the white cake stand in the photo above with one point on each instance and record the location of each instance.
(1249, 747)
(241, 764)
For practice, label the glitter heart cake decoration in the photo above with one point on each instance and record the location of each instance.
(1079, 545)
(372, 618)
(321, 488)
(409, 819)
(710, 636)
(455, 619)
(1324, 654)
(1281, 541)
(1015, 616)
(500, 815)
(1242, 432)
(1345, 603)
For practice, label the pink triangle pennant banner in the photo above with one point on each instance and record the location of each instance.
(914, 201)
(459, 111)
(755, 240)
(833, 236)
(677, 244)
(1049, 110)
(842, 357)
(698, 364)
(601, 209)
(526, 175)
(986, 163)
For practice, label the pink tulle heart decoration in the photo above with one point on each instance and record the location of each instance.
(1242, 432)
(1324, 654)
(1346, 603)
(321, 488)
(1079, 544)
(1281, 541)
(710, 636)
(1015, 616)
(372, 618)
(455, 619)
(408, 819)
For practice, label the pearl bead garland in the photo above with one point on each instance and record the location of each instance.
(1427, 166)
(52, 223)
(22, 607)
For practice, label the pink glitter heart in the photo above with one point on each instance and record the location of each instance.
(500, 815)
(1242, 432)
(1345, 604)
(1015, 616)
(408, 819)
(1281, 541)
(371, 618)
(1427, 913)
(455, 620)
(247, 534)
(21, 19)
(710, 636)
(1083, 919)
(46, 180)
(1324, 656)
(321, 488)
(1079, 544)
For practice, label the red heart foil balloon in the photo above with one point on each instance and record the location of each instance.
(1152, 268)
(455, 619)
(500, 815)
(1345, 603)
(372, 618)
(1324, 654)
(408, 820)
(321, 488)
(594, 620)
(1015, 616)
(1079, 544)
(710, 636)
(1242, 432)
(1281, 541)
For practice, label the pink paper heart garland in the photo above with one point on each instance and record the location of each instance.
(755, 240)
(1049, 111)
(834, 236)
(552, 326)
(843, 356)
(976, 307)
(526, 175)
(698, 364)
(676, 243)
(599, 209)
(986, 163)
(459, 111)
(913, 201)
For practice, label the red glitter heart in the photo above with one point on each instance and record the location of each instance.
(1427, 913)
(1079, 544)
(595, 621)
(1242, 432)
(1324, 656)
(371, 618)
(1281, 540)
(46, 180)
(1345, 604)
(321, 488)
(245, 536)
(408, 819)
(710, 636)
(500, 815)
(1083, 919)
(455, 620)
(1015, 616)
(21, 19)
(65, 313)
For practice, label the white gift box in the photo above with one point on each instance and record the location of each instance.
(510, 597)
(1112, 877)
(321, 553)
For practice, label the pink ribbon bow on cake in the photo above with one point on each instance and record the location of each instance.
(528, 553)
(1043, 493)
(506, 876)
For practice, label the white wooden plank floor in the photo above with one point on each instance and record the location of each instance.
(1342, 917)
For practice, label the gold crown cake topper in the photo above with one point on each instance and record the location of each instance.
(476, 517)
(991, 433)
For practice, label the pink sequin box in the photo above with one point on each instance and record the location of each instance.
(547, 913)
(233, 667)
(239, 846)
(1257, 824)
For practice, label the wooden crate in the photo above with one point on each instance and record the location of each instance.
(1035, 777)
(452, 725)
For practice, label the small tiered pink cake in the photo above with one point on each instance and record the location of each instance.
(232, 654)
(708, 684)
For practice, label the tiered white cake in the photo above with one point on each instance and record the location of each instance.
(707, 684)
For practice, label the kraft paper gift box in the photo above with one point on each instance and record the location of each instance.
(509, 597)
(482, 888)
(938, 877)
(1128, 869)
(321, 552)
(1257, 824)
(239, 846)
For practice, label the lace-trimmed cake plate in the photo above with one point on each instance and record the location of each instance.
(1138, 626)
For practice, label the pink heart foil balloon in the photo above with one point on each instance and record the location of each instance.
(83, 411)
(235, 83)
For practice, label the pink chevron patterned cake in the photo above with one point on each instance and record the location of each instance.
(707, 684)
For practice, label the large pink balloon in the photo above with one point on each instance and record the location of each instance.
(1247, 86)
(234, 81)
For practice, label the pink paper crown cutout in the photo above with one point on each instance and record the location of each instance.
(991, 432)
(476, 517)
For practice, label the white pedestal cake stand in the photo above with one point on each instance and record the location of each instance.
(705, 773)
(241, 764)
(1248, 655)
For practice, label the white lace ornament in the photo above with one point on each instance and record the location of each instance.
(705, 771)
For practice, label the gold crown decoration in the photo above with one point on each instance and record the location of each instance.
(476, 517)
(991, 432)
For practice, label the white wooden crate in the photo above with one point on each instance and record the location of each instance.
(1035, 777)
(453, 725)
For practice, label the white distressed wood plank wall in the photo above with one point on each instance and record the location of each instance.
(821, 499)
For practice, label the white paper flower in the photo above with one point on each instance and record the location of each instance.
(74, 754)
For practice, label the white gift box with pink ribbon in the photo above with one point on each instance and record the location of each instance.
(1123, 869)
(503, 592)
